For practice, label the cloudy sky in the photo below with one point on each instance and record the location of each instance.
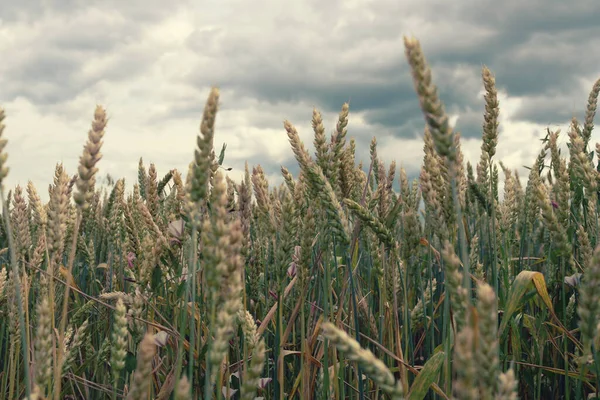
(151, 63)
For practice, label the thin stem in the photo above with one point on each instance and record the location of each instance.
(63, 320)
(17, 278)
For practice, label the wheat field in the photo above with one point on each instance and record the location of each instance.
(332, 285)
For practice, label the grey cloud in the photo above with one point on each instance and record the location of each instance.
(269, 166)
(530, 46)
(552, 109)
(353, 57)
(275, 61)
(70, 36)
(470, 124)
(137, 10)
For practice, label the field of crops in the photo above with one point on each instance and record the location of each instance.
(347, 281)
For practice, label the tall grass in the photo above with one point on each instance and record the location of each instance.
(330, 285)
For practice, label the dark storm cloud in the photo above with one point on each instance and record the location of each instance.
(535, 48)
(380, 93)
(539, 50)
(551, 110)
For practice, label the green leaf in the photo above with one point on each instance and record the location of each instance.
(392, 217)
(222, 155)
(156, 278)
(130, 362)
(524, 282)
(426, 377)
(181, 289)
